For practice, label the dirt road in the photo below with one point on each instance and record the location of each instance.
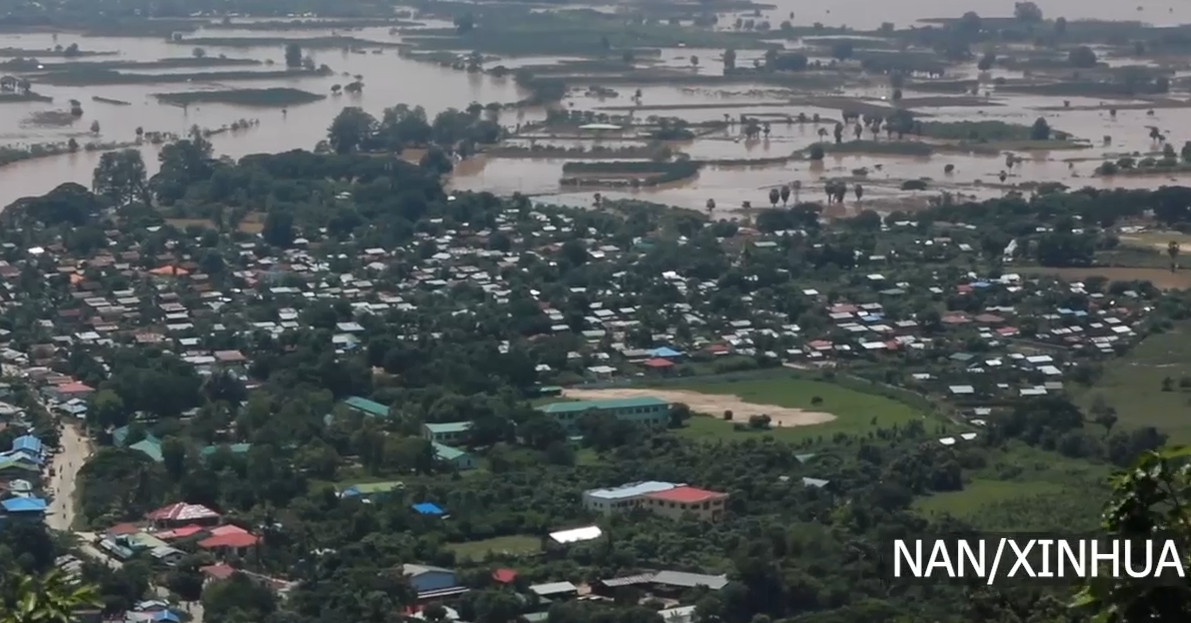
(711, 404)
(74, 449)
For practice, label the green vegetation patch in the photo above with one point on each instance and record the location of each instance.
(515, 545)
(1024, 488)
(1137, 387)
(278, 96)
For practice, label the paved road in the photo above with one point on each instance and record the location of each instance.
(73, 452)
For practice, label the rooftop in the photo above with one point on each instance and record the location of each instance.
(24, 505)
(687, 495)
(631, 490)
(576, 535)
(439, 428)
(371, 407)
(616, 403)
(181, 511)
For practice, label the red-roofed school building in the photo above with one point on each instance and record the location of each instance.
(673, 503)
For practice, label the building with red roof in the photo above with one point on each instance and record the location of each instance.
(218, 571)
(230, 537)
(658, 363)
(674, 503)
(504, 576)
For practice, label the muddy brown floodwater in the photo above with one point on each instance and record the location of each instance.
(390, 79)
(867, 14)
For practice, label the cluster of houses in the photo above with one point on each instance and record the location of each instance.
(23, 472)
(168, 534)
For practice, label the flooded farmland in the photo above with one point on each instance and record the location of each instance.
(673, 82)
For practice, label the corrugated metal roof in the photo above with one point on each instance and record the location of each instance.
(631, 490)
(618, 403)
(577, 534)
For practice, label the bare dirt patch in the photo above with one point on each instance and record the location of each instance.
(1160, 277)
(711, 404)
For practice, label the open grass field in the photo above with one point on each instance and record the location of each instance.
(1023, 488)
(1133, 385)
(252, 223)
(517, 545)
(854, 411)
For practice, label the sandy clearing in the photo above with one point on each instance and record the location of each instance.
(711, 404)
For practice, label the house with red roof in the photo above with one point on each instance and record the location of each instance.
(230, 538)
(674, 503)
(218, 571)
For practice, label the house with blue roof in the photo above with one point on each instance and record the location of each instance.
(25, 508)
(30, 444)
(665, 352)
(430, 509)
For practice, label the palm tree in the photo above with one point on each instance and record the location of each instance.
(822, 134)
(859, 190)
(785, 192)
(774, 195)
(1172, 250)
(51, 598)
(710, 207)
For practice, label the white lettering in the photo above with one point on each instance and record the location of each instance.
(940, 558)
(901, 552)
(1170, 558)
(1023, 559)
(1073, 556)
(1112, 556)
(974, 557)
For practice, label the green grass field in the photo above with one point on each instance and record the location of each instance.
(1133, 385)
(856, 412)
(1024, 488)
(517, 545)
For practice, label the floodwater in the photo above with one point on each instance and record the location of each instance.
(866, 14)
(391, 79)
(388, 78)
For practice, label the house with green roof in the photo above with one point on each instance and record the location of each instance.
(367, 407)
(17, 467)
(234, 448)
(647, 411)
(150, 446)
(446, 432)
(460, 459)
